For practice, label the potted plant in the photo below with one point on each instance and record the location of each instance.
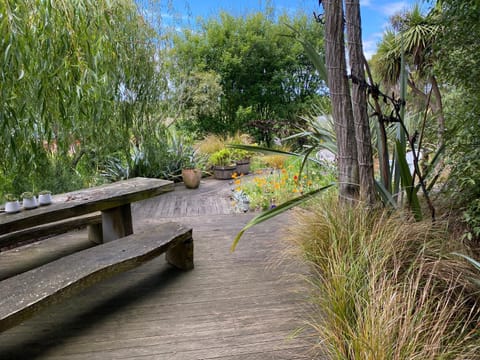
(44, 197)
(191, 175)
(242, 160)
(29, 200)
(223, 164)
(12, 205)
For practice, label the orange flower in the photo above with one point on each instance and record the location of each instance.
(238, 182)
(234, 175)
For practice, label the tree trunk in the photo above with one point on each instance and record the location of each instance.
(439, 112)
(359, 102)
(341, 101)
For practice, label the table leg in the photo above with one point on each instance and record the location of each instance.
(95, 233)
(117, 222)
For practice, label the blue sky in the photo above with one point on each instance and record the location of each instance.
(375, 13)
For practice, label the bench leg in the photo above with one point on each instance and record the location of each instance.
(181, 255)
(95, 233)
(117, 223)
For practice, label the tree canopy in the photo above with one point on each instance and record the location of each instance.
(260, 67)
(77, 76)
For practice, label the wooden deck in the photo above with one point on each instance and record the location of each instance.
(244, 305)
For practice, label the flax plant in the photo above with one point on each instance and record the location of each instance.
(386, 287)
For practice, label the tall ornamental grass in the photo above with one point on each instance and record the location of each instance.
(386, 287)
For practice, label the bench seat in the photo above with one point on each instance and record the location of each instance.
(23, 295)
(40, 232)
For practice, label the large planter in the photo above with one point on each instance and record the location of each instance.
(243, 167)
(191, 178)
(224, 172)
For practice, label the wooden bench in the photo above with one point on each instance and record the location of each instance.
(24, 295)
(21, 237)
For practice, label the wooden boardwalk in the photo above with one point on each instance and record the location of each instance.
(246, 305)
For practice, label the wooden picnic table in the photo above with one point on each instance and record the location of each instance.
(113, 200)
(25, 294)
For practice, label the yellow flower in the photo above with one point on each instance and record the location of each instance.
(238, 182)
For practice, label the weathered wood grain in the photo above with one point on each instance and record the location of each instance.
(245, 305)
(29, 292)
(86, 201)
(56, 228)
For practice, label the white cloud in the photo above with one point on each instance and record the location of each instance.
(387, 8)
(393, 8)
(370, 44)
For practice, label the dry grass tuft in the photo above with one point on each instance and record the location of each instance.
(275, 161)
(210, 144)
(384, 287)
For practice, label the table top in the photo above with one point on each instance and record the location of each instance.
(81, 202)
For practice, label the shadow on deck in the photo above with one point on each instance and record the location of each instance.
(244, 305)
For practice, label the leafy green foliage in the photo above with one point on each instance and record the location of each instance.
(77, 76)
(457, 46)
(472, 217)
(223, 157)
(259, 69)
(160, 152)
(456, 50)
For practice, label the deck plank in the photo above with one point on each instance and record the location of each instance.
(242, 306)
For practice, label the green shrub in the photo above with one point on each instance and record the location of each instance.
(223, 157)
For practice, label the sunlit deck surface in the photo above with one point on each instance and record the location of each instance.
(241, 305)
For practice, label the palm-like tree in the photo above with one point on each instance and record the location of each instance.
(413, 35)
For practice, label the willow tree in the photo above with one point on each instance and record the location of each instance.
(76, 77)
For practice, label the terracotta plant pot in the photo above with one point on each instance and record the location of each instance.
(224, 172)
(191, 178)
